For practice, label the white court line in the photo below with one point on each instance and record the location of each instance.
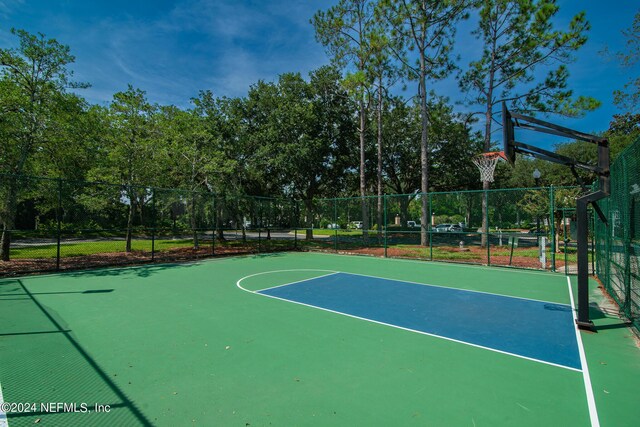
(300, 281)
(330, 272)
(3, 415)
(591, 401)
(388, 324)
(458, 289)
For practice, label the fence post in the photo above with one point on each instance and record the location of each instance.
(592, 224)
(628, 227)
(486, 195)
(608, 239)
(296, 216)
(428, 226)
(153, 224)
(335, 223)
(384, 201)
(566, 243)
(260, 219)
(58, 220)
(213, 225)
(552, 217)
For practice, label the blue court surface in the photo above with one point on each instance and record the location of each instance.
(538, 330)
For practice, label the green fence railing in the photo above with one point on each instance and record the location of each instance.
(618, 241)
(527, 227)
(55, 224)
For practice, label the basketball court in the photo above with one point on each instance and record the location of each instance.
(312, 339)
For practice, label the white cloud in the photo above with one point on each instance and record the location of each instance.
(199, 43)
(221, 45)
(8, 6)
(218, 19)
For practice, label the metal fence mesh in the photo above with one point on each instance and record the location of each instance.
(526, 228)
(54, 224)
(618, 241)
(62, 225)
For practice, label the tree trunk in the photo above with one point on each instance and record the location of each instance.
(141, 209)
(194, 224)
(5, 244)
(404, 210)
(380, 203)
(220, 219)
(308, 205)
(9, 218)
(485, 184)
(468, 210)
(424, 155)
(363, 188)
(130, 223)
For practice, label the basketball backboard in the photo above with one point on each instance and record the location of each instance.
(508, 136)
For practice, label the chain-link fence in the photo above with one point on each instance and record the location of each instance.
(527, 228)
(53, 224)
(618, 241)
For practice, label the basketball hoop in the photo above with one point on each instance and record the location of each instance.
(487, 162)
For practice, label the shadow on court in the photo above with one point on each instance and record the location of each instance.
(42, 362)
(138, 271)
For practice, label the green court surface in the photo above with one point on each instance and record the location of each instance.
(182, 344)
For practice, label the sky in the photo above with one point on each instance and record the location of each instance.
(174, 49)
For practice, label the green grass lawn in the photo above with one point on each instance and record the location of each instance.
(98, 247)
(110, 246)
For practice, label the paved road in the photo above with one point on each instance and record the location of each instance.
(229, 235)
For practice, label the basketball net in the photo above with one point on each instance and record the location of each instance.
(486, 163)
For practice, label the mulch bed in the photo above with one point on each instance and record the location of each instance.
(480, 256)
(28, 266)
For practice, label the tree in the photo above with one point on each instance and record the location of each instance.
(425, 28)
(345, 30)
(451, 142)
(623, 130)
(302, 131)
(33, 78)
(188, 147)
(518, 44)
(382, 71)
(73, 140)
(536, 204)
(226, 172)
(629, 98)
(452, 145)
(130, 154)
(401, 160)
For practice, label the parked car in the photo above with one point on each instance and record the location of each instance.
(448, 228)
(333, 226)
(413, 224)
(356, 224)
